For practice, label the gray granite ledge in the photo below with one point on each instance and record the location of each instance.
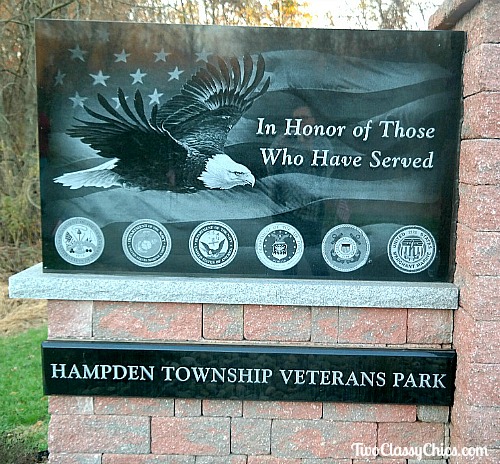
(34, 283)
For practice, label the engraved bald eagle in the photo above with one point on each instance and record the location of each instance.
(180, 147)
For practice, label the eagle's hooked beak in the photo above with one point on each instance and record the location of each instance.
(248, 179)
(221, 172)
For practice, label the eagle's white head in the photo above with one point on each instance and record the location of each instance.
(221, 172)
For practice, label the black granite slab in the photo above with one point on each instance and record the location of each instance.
(279, 373)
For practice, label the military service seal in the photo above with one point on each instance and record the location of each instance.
(279, 246)
(213, 244)
(146, 243)
(345, 248)
(411, 249)
(79, 241)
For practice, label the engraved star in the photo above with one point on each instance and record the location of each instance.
(121, 56)
(175, 74)
(203, 55)
(155, 97)
(161, 55)
(77, 53)
(78, 100)
(59, 77)
(99, 78)
(117, 101)
(137, 77)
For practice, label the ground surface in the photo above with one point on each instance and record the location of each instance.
(18, 315)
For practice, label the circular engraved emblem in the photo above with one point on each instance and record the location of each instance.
(146, 243)
(345, 248)
(79, 241)
(279, 246)
(411, 249)
(213, 244)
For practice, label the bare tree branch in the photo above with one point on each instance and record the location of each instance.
(55, 8)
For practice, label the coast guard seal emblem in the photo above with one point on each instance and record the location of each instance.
(79, 241)
(279, 246)
(345, 248)
(213, 244)
(411, 249)
(146, 243)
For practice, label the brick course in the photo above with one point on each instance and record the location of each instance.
(223, 322)
(282, 410)
(147, 321)
(481, 116)
(351, 412)
(69, 319)
(410, 435)
(250, 436)
(480, 162)
(191, 435)
(99, 434)
(372, 326)
(429, 326)
(319, 439)
(479, 207)
(277, 323)
(72, 458)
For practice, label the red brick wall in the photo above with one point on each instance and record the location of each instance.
(102, 430)
(476, 412)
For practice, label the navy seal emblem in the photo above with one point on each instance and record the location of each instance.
(279, 246)
(411, 249)
(213, 244)
(345, 248)
(79, 241)
(146, 243)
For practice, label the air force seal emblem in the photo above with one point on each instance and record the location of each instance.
(411, 249)
(213, 244)
(146, 243)
(345, 248)
(79, 241)
(279, 246)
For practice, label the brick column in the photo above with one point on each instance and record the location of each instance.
(475, 419)
(107, 430)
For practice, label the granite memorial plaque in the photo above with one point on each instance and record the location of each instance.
(248, 152)
(274, 373)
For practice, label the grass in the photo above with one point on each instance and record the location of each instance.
(24, 416)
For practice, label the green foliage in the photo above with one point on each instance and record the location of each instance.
(24, 418)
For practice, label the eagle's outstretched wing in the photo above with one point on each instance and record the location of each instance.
(213, 101)
(127, 134)
(180, 147)
(146, 155)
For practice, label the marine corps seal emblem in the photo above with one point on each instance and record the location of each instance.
(279, 246)
(213, 244)
(146, 243)
(345, 248)
(79, 241)
(411, 249)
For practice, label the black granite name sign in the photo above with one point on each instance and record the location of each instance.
(249, 372)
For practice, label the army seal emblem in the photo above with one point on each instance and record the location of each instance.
(79, 241)
(279, 246)
(411, 249)
(345, 248)
(146, 243)
(213, 244)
